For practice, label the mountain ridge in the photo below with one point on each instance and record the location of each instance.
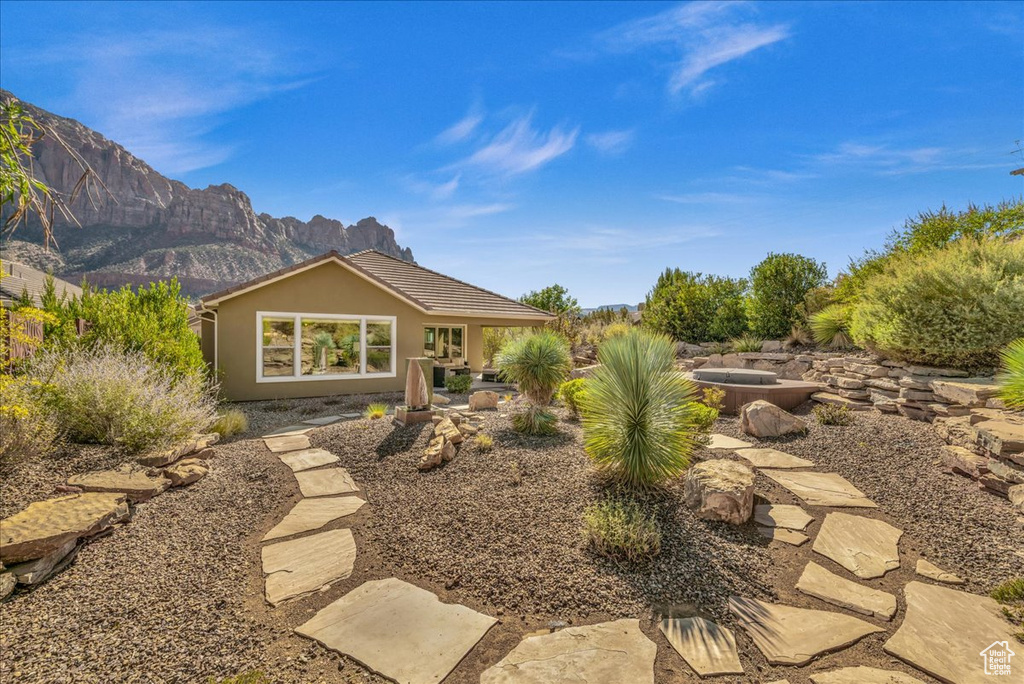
(152, 227)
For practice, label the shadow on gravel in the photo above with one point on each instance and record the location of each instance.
(399, 440)
(511, 438)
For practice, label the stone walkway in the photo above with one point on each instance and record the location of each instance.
(408, 635)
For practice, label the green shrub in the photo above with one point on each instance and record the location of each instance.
(570, 393)
(704, 421)
(535, 420)
(375, 411)
(833, 414)
(230, 422)
(713, 397)
(458, 384)
(957, 306)
(778, 286)
(746, 343)
(693, 307)
(537, 363)
(152, 320)
(27, 427)
(107, 396)
(1011, 377)
(483, 442)
(1010, 591)
(613, 330)
(251, 677)
(622, 530)
(639, 423)
(831, 326)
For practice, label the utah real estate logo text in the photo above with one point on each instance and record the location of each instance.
(997, 658)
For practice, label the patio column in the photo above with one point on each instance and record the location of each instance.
(475, 347)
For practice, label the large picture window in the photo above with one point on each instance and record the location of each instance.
(324, 346)
(443, 342)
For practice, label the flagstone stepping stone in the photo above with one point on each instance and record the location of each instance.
(351, 416)
(818, 582)
(327, 482)
(719, 441)
(795, 636)
(945, 630)
(307, 564)
(821, 489)
(38, 570)
(868, 548)
(782, 515)
(783, 535)
(45, 526)
(290, 430)
(279, 445)
(772, 458)
(133, 480)
(932, 571)
(324, 420)
(863, 675)
(307, 458)
(607, 652)
(398, 630)
(706, 647)
(311, 514)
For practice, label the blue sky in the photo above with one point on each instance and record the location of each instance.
(515, 145)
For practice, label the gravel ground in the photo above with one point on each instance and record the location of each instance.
(176, 594)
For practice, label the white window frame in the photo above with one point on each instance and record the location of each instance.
(297, 363)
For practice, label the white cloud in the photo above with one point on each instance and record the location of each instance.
(519, 148)
(700, 35)
(160, 92)
(461, 129)
(611, 142)
(887, 160)
(706, 198)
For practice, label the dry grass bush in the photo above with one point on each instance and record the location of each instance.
(833, 414)
(621, 529)
(27, 427)
(230, 422)
(483, 442)
(106, 396)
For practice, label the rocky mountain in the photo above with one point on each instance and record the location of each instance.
(151, 227)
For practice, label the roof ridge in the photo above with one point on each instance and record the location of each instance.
(448, 277)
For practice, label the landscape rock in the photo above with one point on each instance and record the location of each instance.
(1016, 496)
(836, 400)
(441, 400)
(306, 564)
(132, 480)
(186, 471)
(960, 460)
(870, 370)
(763, 419)
(432, 454)
(312, 514)
(966, 392)
(821, 489)
(162, 458)
(705, 646)
(7, 583)
(39, 570)
(937, 372)
(866, 547)
(449, 431)
(818, 582)
(719, 441)
(285, 443)
(307, 459)
(1003, 438)
(45, 526)
(863, 675)
(772, 458)
(484, 399)
(721, 489)
(932, 571)
(916, 395)
(791, 537)
(326, 482)
(782, 515)
(921, 383)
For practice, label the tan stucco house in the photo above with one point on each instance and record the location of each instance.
(338, 324)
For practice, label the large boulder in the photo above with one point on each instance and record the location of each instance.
(161, 458)
(721, 489)
(186, 471)
(46, 526)
(484, 399)
(132, 480)
(764, 419)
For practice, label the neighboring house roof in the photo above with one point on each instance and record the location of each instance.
(18, 278)
(426, 290)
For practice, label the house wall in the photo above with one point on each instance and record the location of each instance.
(329, 288)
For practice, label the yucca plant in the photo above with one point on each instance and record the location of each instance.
(639, 424)
(831, 326)
(1011, 376)
(747, 343)
(538, 364)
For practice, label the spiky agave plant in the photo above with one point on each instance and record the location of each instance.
(1011, 376)
(831, 326)
(538, 363)
(638, 419)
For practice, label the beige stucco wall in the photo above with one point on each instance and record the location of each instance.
(325, 289)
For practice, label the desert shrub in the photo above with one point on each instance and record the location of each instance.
(483, 442)
(719, 348)
(956, 306)
(746, 343)
(704, 420)
(251, 677)
(831, 326)
(1011, 376)
(693, 307)
(152, 320)
(798, 336)
(621, 529)
(613, 330)
(713, 397)
(1010, 591)
(537, 363)
(104, 395)
(833, 414)
(230, 422)
(535, 420)
(375, 411)
(639, 423)
(458, 384)
(27, 427)
(494, 339)
(570, 393)
(778, 286)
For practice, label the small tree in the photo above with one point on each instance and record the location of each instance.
(693, 307)
(553, 298)
(777, 288)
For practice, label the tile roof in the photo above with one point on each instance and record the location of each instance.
(18, 278)
(426, 289)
